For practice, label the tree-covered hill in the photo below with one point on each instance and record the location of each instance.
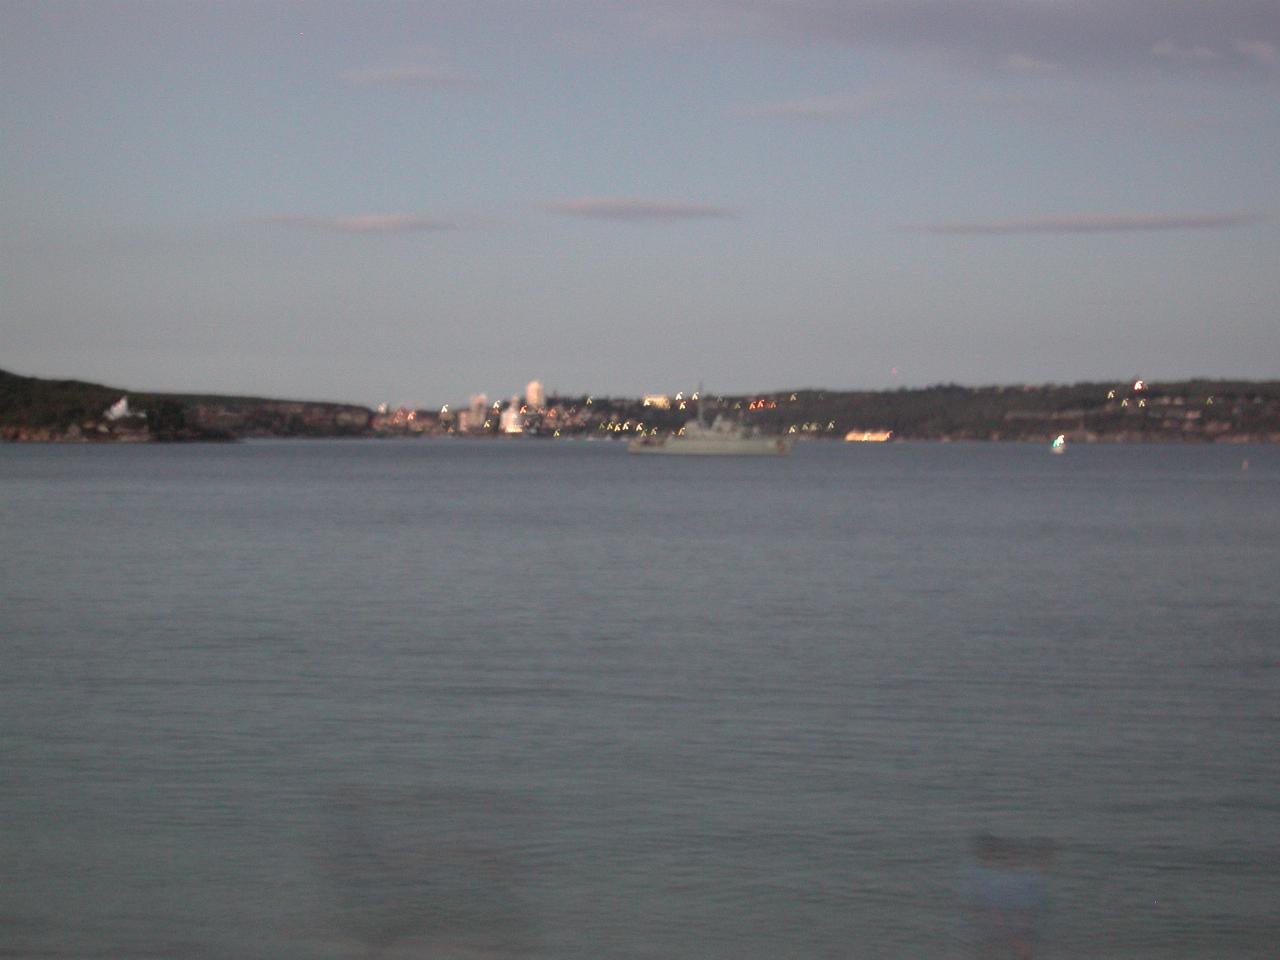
(1192, 410)
(36, 409)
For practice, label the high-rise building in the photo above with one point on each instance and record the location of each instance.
(534, 396)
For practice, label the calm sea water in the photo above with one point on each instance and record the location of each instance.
(455, 699)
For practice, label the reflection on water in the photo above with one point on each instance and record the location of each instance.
(1005, 897)
(412, 873)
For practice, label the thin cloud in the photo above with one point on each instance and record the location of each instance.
(1098, 223)
(1169, 50)
(366, 223)
(402, 76)
(1022, 63)
(1259, 51)
(897, 98)
(839, 106)
(632, 209)
(1075, 34)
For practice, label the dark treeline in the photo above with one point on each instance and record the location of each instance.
(1191, 410)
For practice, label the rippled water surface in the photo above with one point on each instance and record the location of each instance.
(469, 699)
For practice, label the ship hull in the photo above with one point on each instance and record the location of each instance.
(680, 446)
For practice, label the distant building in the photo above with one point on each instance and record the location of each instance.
(534, 396)
(120, 410)
(512, 421)
(659, 400)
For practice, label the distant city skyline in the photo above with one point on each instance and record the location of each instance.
(414, 202)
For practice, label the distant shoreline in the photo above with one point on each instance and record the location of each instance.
(34, 410)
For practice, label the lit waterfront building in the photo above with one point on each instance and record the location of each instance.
(472, 419)
(511, 421)
(857, 435)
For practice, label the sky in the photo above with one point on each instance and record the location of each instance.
(415, 202)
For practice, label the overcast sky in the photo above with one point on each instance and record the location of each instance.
(415, 202)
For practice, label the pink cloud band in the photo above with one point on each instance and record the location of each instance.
(368, 223)
(623, 208)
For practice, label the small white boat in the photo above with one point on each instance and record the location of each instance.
(1059, 444)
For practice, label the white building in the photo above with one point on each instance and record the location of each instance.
(534, 396)
(511, 421)
(120, 410)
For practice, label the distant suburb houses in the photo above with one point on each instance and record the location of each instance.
(1133, 411)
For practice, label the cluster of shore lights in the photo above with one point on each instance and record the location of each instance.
(403, 415)
(813, 427)
(640, 429)
(1140, 386)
